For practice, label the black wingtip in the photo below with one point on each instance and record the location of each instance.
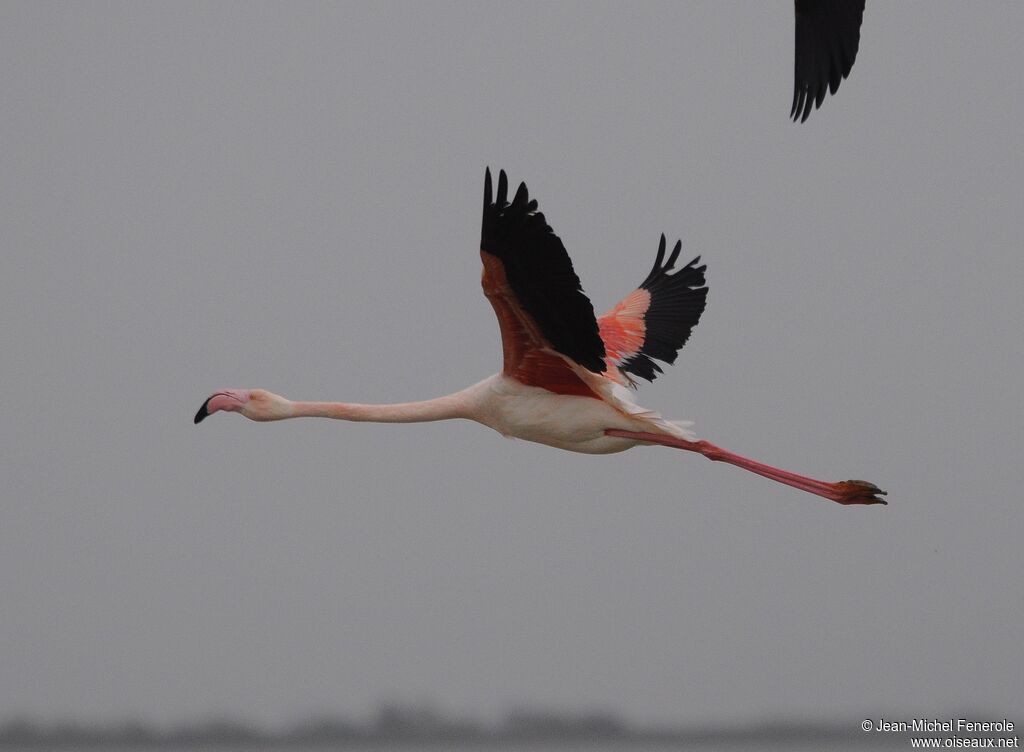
(502, 198)
(803, 101)
(675, 254)
(202, 413)
(522, 197)
(826, 41)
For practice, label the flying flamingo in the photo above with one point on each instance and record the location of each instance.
(827, 37)
(566, 375)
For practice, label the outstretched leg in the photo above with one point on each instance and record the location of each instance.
(843, 492)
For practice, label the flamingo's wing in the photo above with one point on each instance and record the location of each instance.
(827, 37)
(542, 310)
(656, 319)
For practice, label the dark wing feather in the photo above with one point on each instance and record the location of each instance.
(655, 320)
(543, 284)
(827, 38)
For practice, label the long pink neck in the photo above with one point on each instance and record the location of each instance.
(441, 408)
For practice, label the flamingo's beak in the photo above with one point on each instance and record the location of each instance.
(202, 412)
(230, 400)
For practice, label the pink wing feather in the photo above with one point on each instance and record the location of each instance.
(655, 320)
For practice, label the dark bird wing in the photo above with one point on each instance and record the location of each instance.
(536, 295)
(655, 320)
(827, 37)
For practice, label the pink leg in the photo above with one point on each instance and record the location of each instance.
(844, 492)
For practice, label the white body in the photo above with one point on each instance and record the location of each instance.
(570, 422)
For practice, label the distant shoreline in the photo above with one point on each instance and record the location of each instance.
(401, 727)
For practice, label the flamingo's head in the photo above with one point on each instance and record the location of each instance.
(254, 404)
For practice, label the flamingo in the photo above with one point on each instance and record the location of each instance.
(827, 37)
(567, 375)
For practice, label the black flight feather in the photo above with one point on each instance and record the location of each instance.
(677, 302)
(827, 38)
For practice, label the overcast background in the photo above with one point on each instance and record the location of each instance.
(198, 196)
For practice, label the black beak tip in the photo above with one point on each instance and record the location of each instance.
(201, 413)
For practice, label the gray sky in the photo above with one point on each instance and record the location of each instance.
(197, 196)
